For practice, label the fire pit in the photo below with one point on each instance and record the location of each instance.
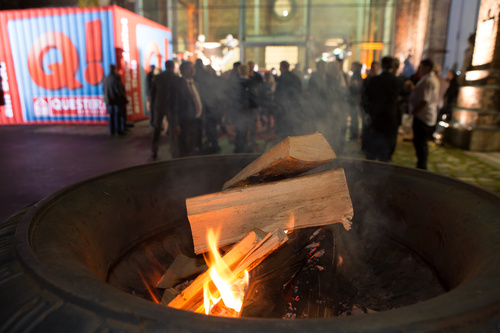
(58, 257)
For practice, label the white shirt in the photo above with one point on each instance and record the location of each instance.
(427, 89)
(196, 97)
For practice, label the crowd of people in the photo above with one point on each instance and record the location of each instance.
(194, 105)
(423, 95)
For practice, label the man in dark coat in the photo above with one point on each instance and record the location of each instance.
(115, 98)
(382, 92)
(164, 97)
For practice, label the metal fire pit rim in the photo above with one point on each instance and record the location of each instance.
(51, 282)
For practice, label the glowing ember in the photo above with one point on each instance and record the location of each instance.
(229, 287)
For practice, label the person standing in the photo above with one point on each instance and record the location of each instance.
(355, 90)
(338, 106)
(2, 98)
(209, 87)
(382, 93)
(424, 101)
(115, 98)
(149, 87)
(318, 93)
(266, 98)
(365, 133)
(202, 84)
(257, 79)
(450, 95)
(188, 109)
(246, 115)
(288, 103)
(163, 95)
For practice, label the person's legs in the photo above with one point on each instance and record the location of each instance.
(173, 140)
(156, 141)
(113, 111)
(122, 118)
(241, 136)
(369, 147)
(211, 133)
(157, 126)
(378, 146)
(252, 124)
(421, 134)
(110, 121)
(385, 151)
(365, 130)
(354, 122)
(151, 113)
(199, 134)
(393, 140)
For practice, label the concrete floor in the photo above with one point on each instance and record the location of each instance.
(38, 160)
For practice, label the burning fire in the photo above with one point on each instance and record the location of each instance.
(226, 286)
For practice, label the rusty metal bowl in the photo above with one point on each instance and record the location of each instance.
(55, 255)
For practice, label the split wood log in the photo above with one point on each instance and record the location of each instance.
(260, 251)
(292, 156)
(265, 296)
(313, 200)
(181, 268)
(244, 255)
(193, 293)
(168, 296)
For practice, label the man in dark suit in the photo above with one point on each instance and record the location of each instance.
(164, 98)
(188, 108)
(382, 92)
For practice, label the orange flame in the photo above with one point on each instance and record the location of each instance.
(230, 288)
(151, 293)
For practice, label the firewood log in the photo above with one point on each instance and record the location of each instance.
(245, 255)
(292, 156)
(313, 200)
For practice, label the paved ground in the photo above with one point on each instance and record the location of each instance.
(36, 161)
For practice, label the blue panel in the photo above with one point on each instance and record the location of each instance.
(50, 60)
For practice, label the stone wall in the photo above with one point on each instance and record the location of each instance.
(421, 29)
(435, 39)
(475, 123)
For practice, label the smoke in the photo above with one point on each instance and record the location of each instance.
(320, 103)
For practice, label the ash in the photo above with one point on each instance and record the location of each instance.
(308, 277)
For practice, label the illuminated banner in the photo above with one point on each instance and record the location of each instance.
(53, 62)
